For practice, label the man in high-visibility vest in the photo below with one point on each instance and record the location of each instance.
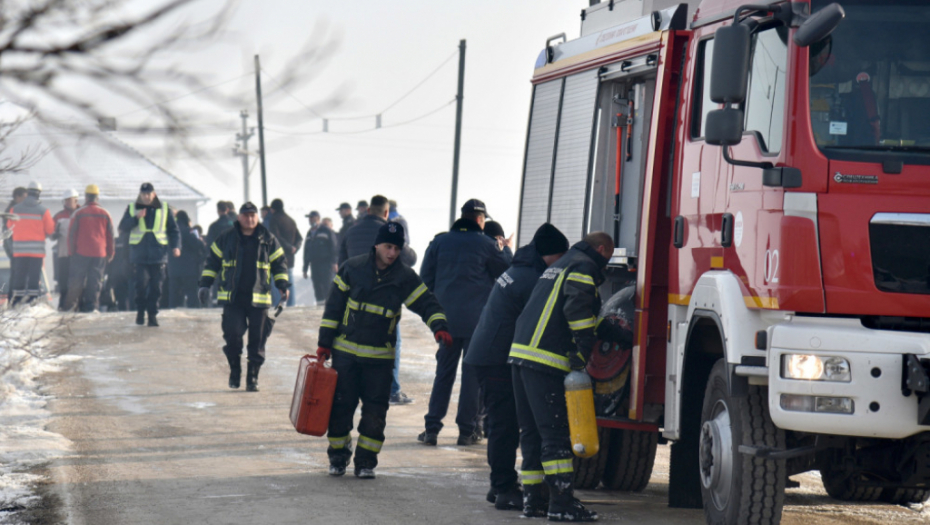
(152, 234)
(34, 223)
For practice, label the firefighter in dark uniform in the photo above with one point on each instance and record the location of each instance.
(245, 259)
(554, 335)
(358, 331)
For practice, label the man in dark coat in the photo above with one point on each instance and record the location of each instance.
(460, 267)
(282, 226)
(348, 220)
(152, 232)
(221, 224)
(184, 271)
(488, 351)
(320, 256)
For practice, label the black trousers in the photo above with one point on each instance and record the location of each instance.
(503, 429)
(182, 290)
(322, 277)
(544, 436)
(61, 277)
(84, 282)
(24, 281)
(237, 318)
(447, 365)
(370, 384)
(149, 278)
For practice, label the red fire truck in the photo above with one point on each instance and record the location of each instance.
(764, 170)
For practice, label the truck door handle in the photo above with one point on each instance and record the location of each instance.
(678, 239)
(726, 233)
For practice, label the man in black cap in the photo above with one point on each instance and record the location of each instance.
(152, 232)
(357, 330)
(362, 209)
(320, 256)
(345, 213)
(245, 259)
(460, 268)
(488, 351)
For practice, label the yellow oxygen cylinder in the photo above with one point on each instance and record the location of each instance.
(582, 424)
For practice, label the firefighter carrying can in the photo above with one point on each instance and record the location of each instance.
(358, 331)
(554, 335)
(245, 259)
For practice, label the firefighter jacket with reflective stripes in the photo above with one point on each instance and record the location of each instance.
(364, 308)
(152, 236)
(224, 262)
(561, 314)
(30, 230)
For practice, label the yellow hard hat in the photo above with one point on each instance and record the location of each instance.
(92, 189)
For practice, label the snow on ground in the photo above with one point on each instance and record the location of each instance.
(24, 443)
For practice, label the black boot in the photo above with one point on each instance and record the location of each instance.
(511, 499)
(251, 378)
(535, 500)
(563, 505)
(235, 373)
(152, 320)
(140, 317)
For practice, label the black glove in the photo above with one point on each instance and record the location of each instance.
(614, 333)
(577, 361)
(204, 295)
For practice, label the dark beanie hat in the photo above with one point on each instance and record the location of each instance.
(549, 240)
(393, 233)
(493, 229)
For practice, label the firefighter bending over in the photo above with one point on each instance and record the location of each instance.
(358, 331)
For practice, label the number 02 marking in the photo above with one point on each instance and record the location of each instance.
(771, 266)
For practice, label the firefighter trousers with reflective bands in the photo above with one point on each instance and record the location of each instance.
(370, 384)
(237, 318)
(544, 436)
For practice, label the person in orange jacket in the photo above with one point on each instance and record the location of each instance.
(30, 229)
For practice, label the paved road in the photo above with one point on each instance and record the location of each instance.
(158, 438)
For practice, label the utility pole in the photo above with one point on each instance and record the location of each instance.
(244, 152)
(458, 132)
(261, 129)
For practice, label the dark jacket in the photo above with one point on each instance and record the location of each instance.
(361, 237)
(490, 345)
(347, 222)
(460, 268)
(216, 228)
(282, 226)
(365, 305)
(149, 251)
(320, 248)
(561, 315)
(224, 262)
(193, 254)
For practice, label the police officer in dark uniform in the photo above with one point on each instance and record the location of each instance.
(554, 335)
(245, 260)
(488, 352)
(358, 331)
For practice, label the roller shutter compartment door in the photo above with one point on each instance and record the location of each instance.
(537, 171)
(573, 154)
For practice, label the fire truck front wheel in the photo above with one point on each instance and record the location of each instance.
(632, 454)
(735, 487)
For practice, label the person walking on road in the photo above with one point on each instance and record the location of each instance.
(555, 334)
(184, 271)
(92, 246)
(348, 220)
(245, 260)
(153, 233)
(488, 352)
(320, 256)
(221, 224)
(69, 201)
(33, 226)
(357, 241)
(460, 267)
(282, 226)
(361, 313)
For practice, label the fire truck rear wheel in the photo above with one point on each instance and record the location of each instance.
(846, 488)
(631, 456)
(588, 471)
(735, 487)
(900, 496)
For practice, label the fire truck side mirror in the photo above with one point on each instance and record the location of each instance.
(730, 70)
(819, 25)
(724, 127)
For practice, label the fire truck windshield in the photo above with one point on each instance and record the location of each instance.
(870, 79)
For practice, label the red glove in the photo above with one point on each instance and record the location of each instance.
(444, 337)
(324, 353)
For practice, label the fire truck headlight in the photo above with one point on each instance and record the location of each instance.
(815, 368)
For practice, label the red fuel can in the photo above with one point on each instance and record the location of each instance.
(313, 396)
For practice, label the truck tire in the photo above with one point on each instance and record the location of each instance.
(588, 471)
(631, 455)
(846, 488)
(736, 487)
(900, 496)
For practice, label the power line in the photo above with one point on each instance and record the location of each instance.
(398, 124)
(185, 95)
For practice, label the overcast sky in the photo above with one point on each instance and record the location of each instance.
(385, 49)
